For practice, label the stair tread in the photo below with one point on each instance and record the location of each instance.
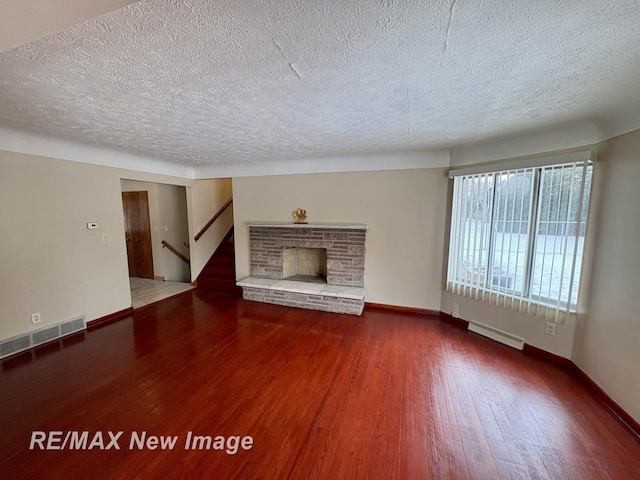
(219, 273)
(221, 260)
(211, 273)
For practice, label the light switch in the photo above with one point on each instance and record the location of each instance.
(92, 226)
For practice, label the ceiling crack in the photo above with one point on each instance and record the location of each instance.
(293, 67)
(280, 49)
(291, 64)
(448, 28)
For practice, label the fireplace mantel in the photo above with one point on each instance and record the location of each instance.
(336, 226)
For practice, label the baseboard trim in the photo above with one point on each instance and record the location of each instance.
(592, 387)
(625, 419)
(548, 356)
(98, 322)
(398, 308)
(457, 322)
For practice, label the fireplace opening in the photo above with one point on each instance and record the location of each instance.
(304, 264)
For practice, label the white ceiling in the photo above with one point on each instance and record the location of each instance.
(207, 84)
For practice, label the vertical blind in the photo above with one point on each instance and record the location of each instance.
(517, 236)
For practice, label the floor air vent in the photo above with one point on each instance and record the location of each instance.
(44, 335)
(497, 335)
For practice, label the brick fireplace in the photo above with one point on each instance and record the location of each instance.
(324, 264)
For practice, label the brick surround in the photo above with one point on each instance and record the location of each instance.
(345, 254)
(345, 251)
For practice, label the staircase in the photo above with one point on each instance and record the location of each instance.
(219, 273)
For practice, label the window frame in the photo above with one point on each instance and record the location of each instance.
(455, 275)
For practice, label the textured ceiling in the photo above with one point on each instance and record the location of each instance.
(201, 83)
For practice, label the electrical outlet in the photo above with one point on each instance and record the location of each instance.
(105, 238)
(35, 318)
(550, 329)
(456, 311)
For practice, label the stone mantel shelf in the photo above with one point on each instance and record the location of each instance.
(340, 226)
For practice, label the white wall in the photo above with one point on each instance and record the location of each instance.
(405, 211)
(607, 340)
(49, 261)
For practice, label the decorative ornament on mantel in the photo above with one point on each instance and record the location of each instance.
(299, 215)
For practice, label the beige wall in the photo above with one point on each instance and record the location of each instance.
(527, 326)
(174, 229)
(49, 261)
(405, 211)
(607, 340)
(204, 199)
(25, 20)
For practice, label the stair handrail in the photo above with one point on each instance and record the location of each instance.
(213, 219)
(176, 252)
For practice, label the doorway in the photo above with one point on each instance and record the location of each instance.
(137, 229)
(160, 210)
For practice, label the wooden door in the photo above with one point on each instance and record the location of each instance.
(138, 233)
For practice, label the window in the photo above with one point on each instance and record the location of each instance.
(517, 236)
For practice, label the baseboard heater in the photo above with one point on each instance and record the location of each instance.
(29, 340)
(496, 334)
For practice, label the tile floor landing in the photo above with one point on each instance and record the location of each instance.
(145, 291)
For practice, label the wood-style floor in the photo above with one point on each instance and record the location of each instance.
(386, 395)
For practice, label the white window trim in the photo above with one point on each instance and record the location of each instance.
(529, 303)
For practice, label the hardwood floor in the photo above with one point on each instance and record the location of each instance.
(386, 395)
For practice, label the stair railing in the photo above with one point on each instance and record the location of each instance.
(213, 219)
(176, 252)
